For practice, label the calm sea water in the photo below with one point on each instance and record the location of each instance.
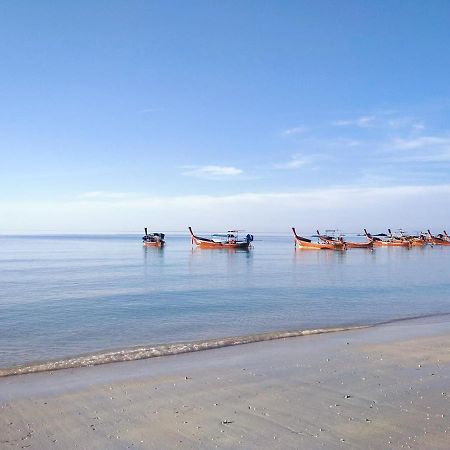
(68, 295)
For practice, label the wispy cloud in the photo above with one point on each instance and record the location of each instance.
(362, 121)
(294, 131)
(212, 171)
(405, 122)
(423, 149)
(421, 142)
(347, 207)
(384, 120)
(295, 162)
(103, 195)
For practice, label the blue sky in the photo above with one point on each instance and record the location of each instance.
(115, 115)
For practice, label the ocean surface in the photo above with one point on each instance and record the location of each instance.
(62, 296)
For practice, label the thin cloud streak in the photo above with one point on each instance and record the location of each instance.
(294, 131)
(102, 195)
(420, 142)
(296, 162)
(424, 149)
(363, 122)
(324, 197)
(382, 121)
(212, 172)
(346, 207)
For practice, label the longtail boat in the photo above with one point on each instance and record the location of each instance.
(444, 236)
(414, 241)
(391, 242)
(307, 244)
(331, 238)
(435, 240)
(153, 239)
(228, 240)
(327, 238)
(368, 244)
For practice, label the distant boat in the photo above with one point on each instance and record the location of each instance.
(230, 239)
(390, 242)
(414, 240)
(332, 238)
(437, 240)
(153, 239)
(307, 244)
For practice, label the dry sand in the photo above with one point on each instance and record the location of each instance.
(384, 387)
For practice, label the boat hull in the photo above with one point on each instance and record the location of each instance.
(417, 243)
(314, 246)
(359, 244)
(304, 244)
(153, 244)
(438, 242)
(228, 245)
(209, 243)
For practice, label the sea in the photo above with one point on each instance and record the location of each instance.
(63, 296)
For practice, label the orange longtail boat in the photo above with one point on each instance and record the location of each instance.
(307, 244)
(444, 236)
(391, 242)
(414, 241)
(435, 240)
(368, 244)
(230, 240)
(153, 239)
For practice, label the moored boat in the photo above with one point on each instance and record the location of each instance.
(390, 242)
(436, 240)
(414, 241)
(331, 238)
(326, 238)
(228, 240)
(307, 244)
(153, 239)
(367, 244)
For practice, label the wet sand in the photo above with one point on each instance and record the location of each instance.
(382, 387)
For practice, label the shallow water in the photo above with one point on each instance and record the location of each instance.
(66, 295)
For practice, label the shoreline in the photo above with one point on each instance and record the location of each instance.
(379, 387)
(143, 352)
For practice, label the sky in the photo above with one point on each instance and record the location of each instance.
(115, 115)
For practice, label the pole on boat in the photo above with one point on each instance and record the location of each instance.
(145, 229)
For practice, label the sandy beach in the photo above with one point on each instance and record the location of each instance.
(382, 387)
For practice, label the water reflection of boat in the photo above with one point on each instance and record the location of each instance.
(230, 240)
(153, 239)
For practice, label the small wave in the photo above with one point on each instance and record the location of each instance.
(136, 353)
(146, 352)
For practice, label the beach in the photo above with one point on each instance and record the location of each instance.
(386, 386)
